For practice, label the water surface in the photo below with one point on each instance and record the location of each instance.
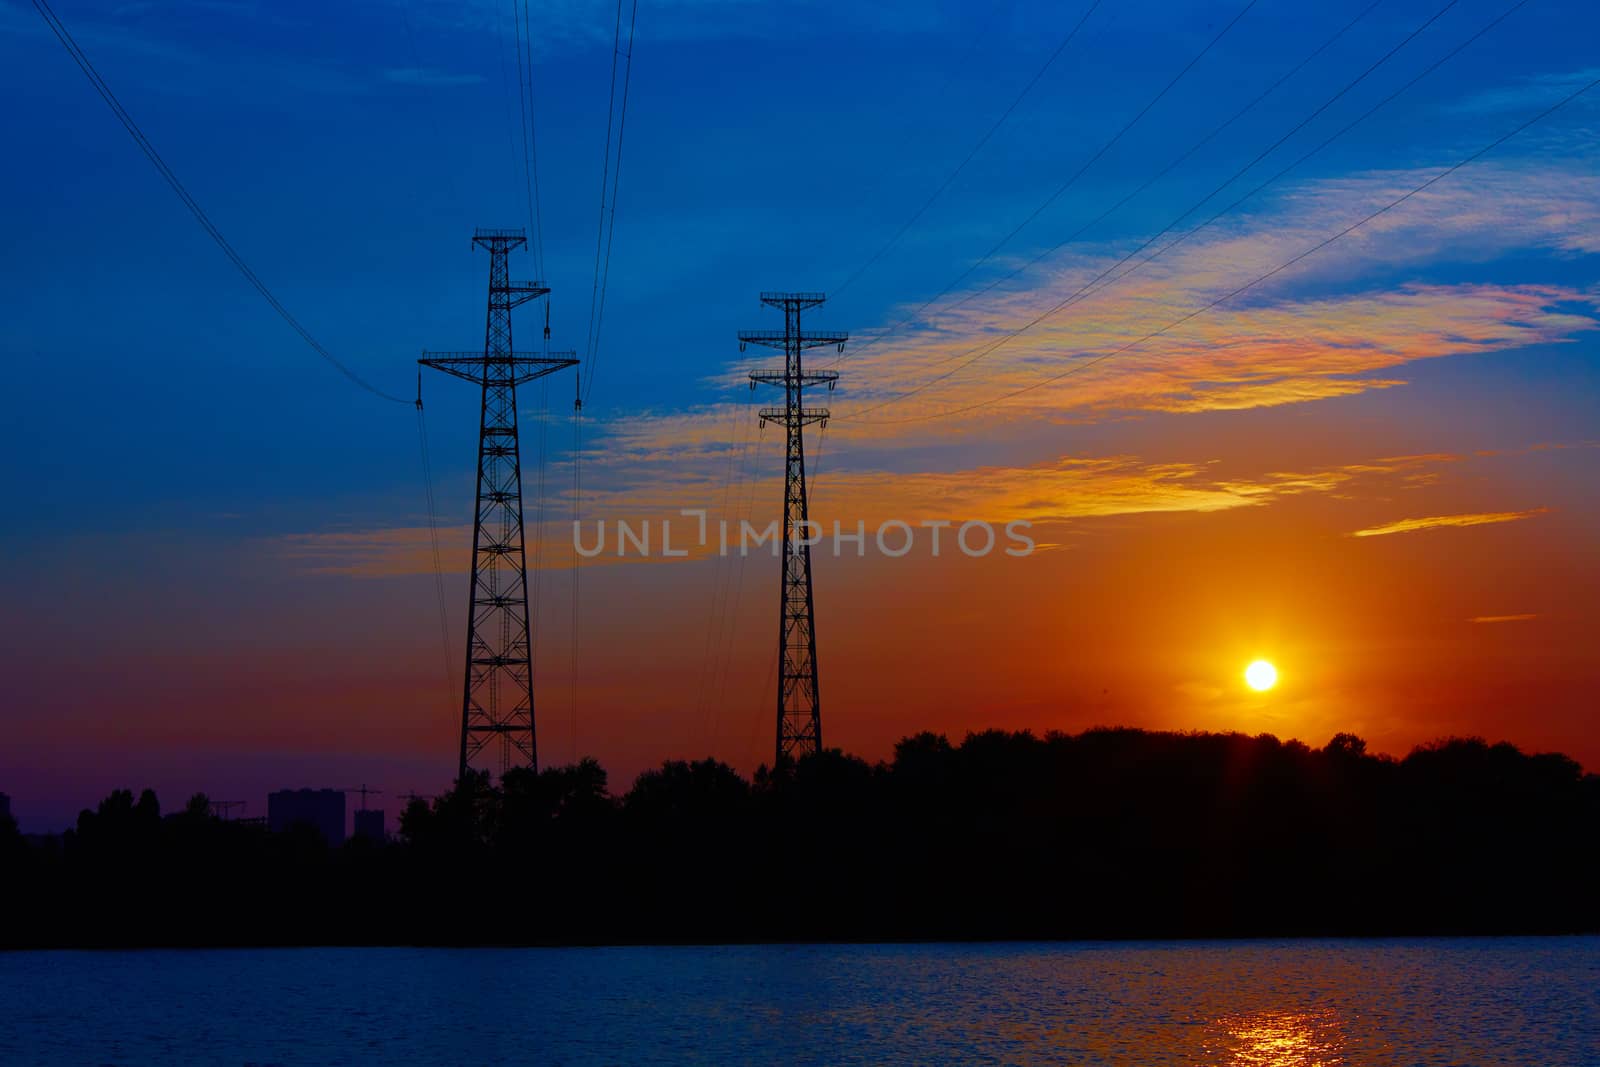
(1300, 1003)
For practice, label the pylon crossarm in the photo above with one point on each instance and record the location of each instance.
(507, 239)
(519, 293)
(778, 377)
(797, 301)
(782, 339)
(508, 370)
(568, 356)
(803, 416)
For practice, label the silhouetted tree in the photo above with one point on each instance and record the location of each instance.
(554, 800)
(198, 809)
(1109, 832)
(416, 820)
(13, 847)
(685, 791)
(1346, 746)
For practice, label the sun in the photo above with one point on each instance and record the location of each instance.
(1261, 676)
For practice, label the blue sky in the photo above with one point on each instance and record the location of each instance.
(164, 425)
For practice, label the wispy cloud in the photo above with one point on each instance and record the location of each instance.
(374, 552)
(182, 63)
(1501, 618)
(1324, 330)
(1275, 346)
(1525, 94)
(1066, 489)
(1543, 446)
(1336, 325)
(1481, 518)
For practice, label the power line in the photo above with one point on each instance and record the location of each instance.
(1108, 212)
(505, 106)
(730, 620)
(543, 457)
(908, 135)
(1280, 268)
(533, 142)
(605, 175)
(613, 171)
(100, 86)
(536, 596)
(986, 348)
(606, 228)
(433, 535)
(577, 566)
(766, 683)
(522, 126)
(1101, 151)
(523, 32)
(816, 459)
(720, 564)
(530, 143)
(523, 25)
(993, 129)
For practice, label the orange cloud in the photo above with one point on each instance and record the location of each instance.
(375, 553)
(1502, 618)
(1481, 518)
(1063, 489)
(1292, 351)
(1269, 348)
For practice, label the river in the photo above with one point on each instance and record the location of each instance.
(1150, 1004)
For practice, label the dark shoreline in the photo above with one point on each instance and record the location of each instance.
(1106, 835)
(1109, 942)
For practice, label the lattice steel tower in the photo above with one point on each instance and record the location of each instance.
(799, 704)
(497, 698)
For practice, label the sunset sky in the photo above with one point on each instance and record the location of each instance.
(1376, 468)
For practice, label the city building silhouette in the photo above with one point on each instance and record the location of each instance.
(322, 809)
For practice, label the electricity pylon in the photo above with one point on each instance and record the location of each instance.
(497, 699)
(799, 704)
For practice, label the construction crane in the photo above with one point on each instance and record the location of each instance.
(363, 789)
(220, 808)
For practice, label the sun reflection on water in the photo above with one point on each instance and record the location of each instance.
(1279, 1039)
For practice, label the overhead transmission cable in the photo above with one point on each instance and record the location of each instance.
(1108, 212)
(528, 126)
(934, 100)
(422, 433)
(433, 536)
(994, 128)
(100, 86)
(1089, 288)
(530, 141)
(611, 169)
(523, 27)
(720, 579)
(577, 569)
(536, 593)
(730, 627)
(1099, 152)
(1280, 268)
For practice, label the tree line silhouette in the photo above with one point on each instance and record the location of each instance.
(1107, 833)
